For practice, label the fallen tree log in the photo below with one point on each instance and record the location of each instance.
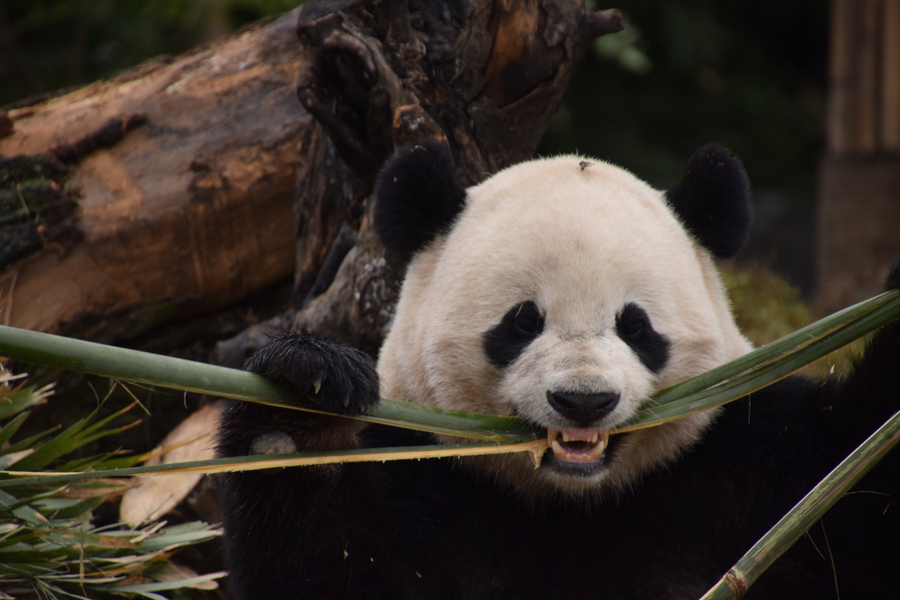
(181, 172)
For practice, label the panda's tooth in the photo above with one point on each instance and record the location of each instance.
(557, 449)
(565, 435)
(595, 436)
(317, 385)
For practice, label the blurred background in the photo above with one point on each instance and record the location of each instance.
(751, 75)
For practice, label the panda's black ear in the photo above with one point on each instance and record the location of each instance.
(713, 200)
(417, 197)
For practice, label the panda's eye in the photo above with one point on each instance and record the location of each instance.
(632, 322)
(527, 320)
(634, 327)
(504, 342)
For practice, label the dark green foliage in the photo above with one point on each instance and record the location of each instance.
(46, 45)
(748, 75)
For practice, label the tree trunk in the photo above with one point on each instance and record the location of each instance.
(484, 78)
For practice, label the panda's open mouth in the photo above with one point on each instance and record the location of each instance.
(582, 446)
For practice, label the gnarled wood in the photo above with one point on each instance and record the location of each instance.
(483, 77)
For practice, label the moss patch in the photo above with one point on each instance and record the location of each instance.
(766, 308)
(36, 208)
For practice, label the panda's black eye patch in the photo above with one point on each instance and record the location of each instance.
(509, 338)
(634, 328)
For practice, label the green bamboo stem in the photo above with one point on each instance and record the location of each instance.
(805, 513)
(735, 379)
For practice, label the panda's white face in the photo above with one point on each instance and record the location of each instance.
(566, 296)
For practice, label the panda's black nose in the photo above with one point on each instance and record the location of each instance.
(583, 407)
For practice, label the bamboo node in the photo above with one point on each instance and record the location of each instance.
(737, 582)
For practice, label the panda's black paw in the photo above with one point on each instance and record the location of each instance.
(340, 378)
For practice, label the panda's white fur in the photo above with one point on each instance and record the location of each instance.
(580, 239)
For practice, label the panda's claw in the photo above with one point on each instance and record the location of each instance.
(340, 378)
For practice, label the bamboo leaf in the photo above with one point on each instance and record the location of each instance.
(160, 586)
(48, 547)
(53, 449)
(768, 364)
(14, 401)
(805, 335)
(26, 513)
(27, 443)
(146, 368)
(12, 427)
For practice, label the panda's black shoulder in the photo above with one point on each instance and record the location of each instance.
(772, 428)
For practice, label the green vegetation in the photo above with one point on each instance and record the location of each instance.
(749, 75)
(50, 544)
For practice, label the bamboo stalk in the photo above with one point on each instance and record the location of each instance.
(254, 463)
(718, 386)
(805, 513)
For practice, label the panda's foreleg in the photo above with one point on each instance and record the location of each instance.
(286, 530)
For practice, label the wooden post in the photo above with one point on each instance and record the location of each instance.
(859, 196)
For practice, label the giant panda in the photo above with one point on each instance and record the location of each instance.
(563, 291)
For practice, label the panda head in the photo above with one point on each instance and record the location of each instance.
(565, 292)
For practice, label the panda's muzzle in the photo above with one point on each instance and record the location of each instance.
(580, 445)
